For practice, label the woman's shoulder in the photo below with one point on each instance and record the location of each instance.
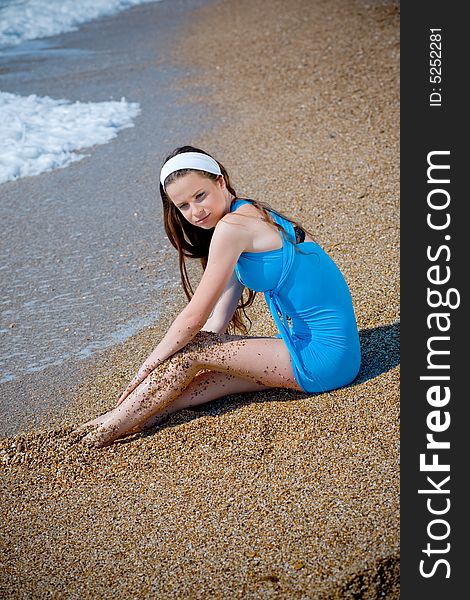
(235, 224)
(235, 220)
(244, 218)
(243, 207)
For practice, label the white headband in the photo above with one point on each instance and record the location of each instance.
(189, 160)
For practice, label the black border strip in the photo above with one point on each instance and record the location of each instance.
(426, 127)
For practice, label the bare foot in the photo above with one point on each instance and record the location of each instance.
(100, 436)
(93, 423)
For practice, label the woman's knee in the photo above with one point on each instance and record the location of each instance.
(205, 344)
(175, 365)
(205, 349)
(203, 340)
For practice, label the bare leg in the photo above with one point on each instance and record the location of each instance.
(264, 361)
(205, 387)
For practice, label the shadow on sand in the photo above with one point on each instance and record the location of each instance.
(380, 351)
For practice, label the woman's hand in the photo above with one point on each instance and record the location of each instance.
(142, 374)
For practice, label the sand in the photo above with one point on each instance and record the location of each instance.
(269, 495)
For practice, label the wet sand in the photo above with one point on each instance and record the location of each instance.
(269, 495)
(86, 243)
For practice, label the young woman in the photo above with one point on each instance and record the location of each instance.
(241, 244)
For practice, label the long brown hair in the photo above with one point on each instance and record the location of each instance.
(194, 242)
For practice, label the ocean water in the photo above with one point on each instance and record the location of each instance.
(37, 133)
(84, 261)
(22, 20)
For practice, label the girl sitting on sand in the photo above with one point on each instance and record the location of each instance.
(241, 244)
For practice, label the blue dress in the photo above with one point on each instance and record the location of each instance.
(311, 306)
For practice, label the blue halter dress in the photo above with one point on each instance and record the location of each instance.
(311, 306)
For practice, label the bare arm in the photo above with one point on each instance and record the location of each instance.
(224, 309)
(226, 246)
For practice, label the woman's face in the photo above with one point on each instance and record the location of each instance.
(201, 201)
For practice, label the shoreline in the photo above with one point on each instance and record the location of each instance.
(86, 242)
(275, 494)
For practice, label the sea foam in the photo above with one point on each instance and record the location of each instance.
(31, 19)
(38, 134)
